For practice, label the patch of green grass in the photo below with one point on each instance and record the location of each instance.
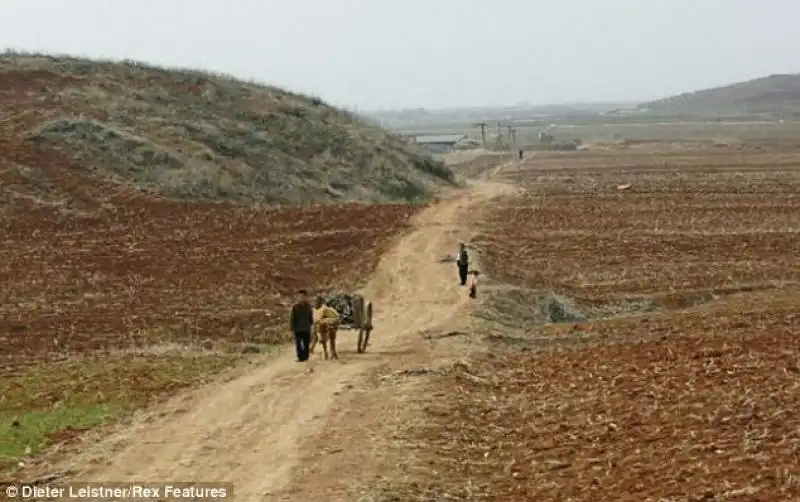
(33, 429)
(51, 403)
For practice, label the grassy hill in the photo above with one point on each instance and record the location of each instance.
(195, 135)
(772, 95)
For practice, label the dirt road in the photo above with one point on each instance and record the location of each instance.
(248, 430)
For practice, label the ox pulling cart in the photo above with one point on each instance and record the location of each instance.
(355, 313)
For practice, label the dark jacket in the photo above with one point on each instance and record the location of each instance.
(462, 258)
(302, 317)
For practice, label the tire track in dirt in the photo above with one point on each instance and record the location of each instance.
(249, 430)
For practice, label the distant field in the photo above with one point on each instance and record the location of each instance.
(563, 130)
(688, 222)
(748, 110)
(643, 342)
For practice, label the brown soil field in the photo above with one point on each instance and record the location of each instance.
(138, 273)
(112, 298)
(674, 374)
(697, 406)
(720, 225)
(110, 295)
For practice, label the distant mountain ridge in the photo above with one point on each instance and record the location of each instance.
(774, 94)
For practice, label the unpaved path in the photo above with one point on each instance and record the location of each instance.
(249, 430)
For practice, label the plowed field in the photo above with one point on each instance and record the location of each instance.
(698, 406)
(696, 397)
(159, 272)
(685, 223)
(126, 297)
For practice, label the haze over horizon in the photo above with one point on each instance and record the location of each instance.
(414, 54)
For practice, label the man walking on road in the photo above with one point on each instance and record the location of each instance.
(462, 260)
(300, 322)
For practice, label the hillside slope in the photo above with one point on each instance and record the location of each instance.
(775, 94)
(194, 135)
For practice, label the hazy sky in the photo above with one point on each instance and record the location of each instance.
(432, 53)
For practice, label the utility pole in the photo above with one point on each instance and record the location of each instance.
(483, 132)
(512, 137)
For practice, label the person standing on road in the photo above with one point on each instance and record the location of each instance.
(462, 260)
(301, 321)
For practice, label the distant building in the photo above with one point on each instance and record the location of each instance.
(441, 142)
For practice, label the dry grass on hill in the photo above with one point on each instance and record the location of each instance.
(190, 134)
